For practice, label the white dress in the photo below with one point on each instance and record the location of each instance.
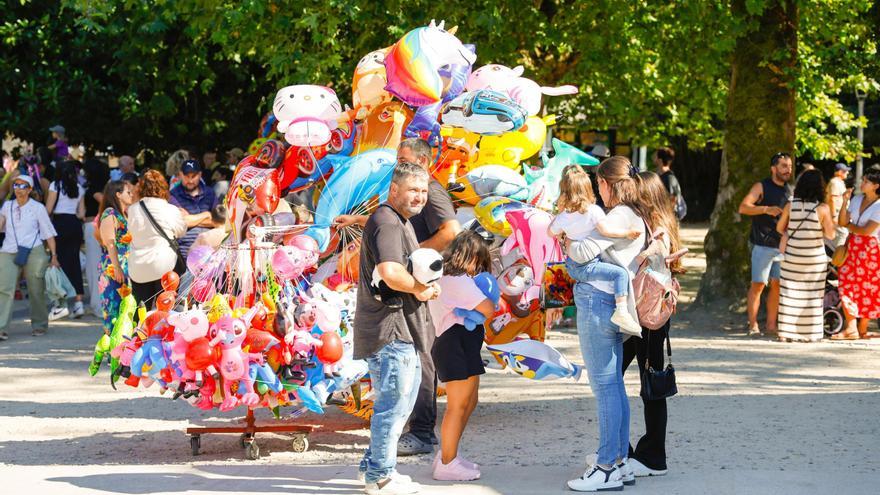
(804, 268)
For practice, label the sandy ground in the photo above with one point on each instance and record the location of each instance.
(752, 416)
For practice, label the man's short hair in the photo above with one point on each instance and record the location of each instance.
(408, 170)
(419, 147)
(665, 155)
(778, 156)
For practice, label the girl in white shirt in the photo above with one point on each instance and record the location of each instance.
(65, 204)
(578, 218)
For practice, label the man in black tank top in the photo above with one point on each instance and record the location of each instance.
(764, 203)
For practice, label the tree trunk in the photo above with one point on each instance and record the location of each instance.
(760, 122)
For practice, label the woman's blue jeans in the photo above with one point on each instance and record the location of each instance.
(395, 372)
(602, 348)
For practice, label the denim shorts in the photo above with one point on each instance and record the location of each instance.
(765, 264)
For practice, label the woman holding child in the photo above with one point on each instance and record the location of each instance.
(596, 298)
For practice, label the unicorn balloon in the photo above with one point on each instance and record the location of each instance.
(413, 64)
(524, 91)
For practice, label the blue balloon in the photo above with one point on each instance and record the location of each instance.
(353, 182)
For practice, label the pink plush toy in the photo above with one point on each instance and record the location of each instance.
(525, 92)
(229, 333)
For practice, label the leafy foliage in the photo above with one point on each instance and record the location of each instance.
(164, 73)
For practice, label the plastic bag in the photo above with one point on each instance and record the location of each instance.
(58, 287)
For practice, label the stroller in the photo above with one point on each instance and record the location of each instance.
(832, 306)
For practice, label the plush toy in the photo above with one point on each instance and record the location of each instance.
(489, 286)
(425, 265)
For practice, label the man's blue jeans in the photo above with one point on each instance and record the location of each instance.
(395, 372)
(602, 348)
(596, 270)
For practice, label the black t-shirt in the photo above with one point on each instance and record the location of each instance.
(436, 212)
(670, 181)
(387, 237)
(91, 203)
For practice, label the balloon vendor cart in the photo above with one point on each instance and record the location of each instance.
(247, 433)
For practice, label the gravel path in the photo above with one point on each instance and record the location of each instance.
(752, 416)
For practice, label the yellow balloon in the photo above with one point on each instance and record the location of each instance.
(219, 306)
(511, 148)
(490, 213)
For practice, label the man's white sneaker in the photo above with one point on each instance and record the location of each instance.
(625, 321)
(78, 309)
(362, 476)
(626, 473)
(393, 485)
(58, 312)
(640, 470)
(598, 479)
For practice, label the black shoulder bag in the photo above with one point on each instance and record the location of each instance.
(180, 264)
(657, 385)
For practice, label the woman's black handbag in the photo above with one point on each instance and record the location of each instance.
(180, 264)
(657, 385)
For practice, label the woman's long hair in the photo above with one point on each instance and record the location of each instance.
(810, 187)
(623, 180)
(110, 200)
(66, 181)
(97, 174)
(661, 216)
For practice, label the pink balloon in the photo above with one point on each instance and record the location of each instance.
(288, 262)
(305, 243)
(203, 290)
(198, 258)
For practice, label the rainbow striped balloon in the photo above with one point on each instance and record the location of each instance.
(412, 75)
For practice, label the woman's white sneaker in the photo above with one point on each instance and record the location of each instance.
(598, 479)
(626, 473)
(393, 485)
(641, 471)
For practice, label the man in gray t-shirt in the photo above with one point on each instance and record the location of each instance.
(389, 339)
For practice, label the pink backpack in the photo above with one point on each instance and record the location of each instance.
(654, 286)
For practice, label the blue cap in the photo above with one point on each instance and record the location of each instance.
(190, 167)
(843, 166)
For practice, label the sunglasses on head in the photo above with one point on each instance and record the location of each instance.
(778, 156)
(20, 185)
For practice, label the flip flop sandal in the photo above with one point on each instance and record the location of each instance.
(845, 336)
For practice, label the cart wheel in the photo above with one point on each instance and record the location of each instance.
(833, 321)
(195, 442)
(245, 439)
(300, 443)
(252, 451)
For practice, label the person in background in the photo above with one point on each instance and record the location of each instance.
(233, 157)
(115, 243)
(97, 176)
(389, 339)
(196, 200)
(859, 277)
(803, 224)
(435, 227)
(834, 198)
(173, 164)
(66, 204)
(126, 166)
(663, 158)
(59, 148)
(25, 224)
(764, 203)
(221, 177)
(209, 164)
(214, 237)
(151, 255)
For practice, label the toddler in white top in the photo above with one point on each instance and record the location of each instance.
(578, 218)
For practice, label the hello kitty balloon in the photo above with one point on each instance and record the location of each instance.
(306, 114)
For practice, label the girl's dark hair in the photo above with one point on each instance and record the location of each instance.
(97, 174)
(810, 187)
(66, 181)
(467, 248)
(872, 175)
(110, 200)
(665, 155)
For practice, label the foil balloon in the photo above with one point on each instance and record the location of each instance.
(505, 327)
(270, 155)
(363, 177)
(306, 114)
(511, 148)
(491, 213)
(413, 64)
(383, 127)
(530, 235)
(368, 84)
(535, 360)
(544, 182)
(495, 180)
(526, 92)
(484, 112)
(425, 122)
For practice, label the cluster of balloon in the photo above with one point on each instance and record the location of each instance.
(266, 320)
